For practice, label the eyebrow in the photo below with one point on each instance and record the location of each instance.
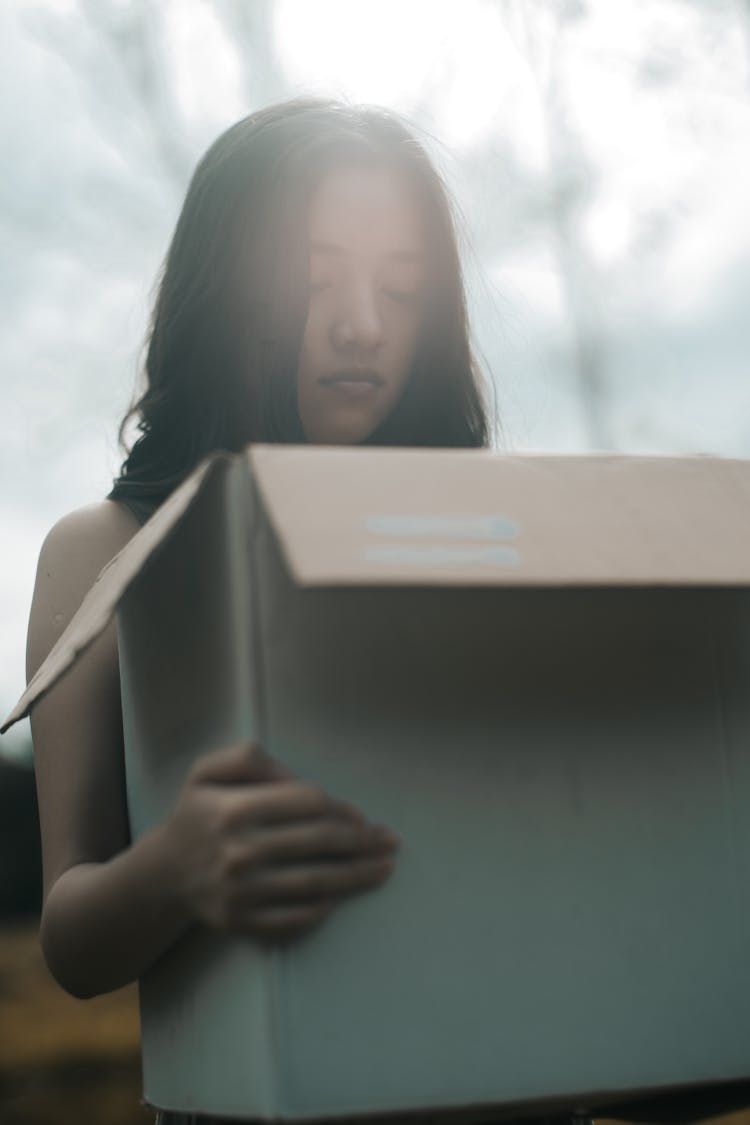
(318, 247)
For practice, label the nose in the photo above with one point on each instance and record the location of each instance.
(358, 324)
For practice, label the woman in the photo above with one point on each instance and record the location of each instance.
(312, 292)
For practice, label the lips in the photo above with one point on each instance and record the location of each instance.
(357, 376)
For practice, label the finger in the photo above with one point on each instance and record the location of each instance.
(244, 761)
(319, 880)
(320, 838)
(286, 921)
(280, 801)
(279, 771)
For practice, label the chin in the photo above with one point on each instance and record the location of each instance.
(340, 435)
(338, 438)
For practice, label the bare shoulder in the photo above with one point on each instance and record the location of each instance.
(73, 553)
(89, 536)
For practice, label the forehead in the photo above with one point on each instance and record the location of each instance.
(366, 210)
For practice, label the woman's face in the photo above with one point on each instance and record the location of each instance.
(367, 264)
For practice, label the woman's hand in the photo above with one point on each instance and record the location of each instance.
(259, 852)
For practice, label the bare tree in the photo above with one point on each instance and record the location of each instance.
(540, 29)
(250, 27)
(131, 39)
(117, 49)
(134, 36)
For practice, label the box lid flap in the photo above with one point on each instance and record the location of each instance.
(100, 602)
(457, 517)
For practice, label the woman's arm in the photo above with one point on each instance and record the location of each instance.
(247, 847)
(109, 910)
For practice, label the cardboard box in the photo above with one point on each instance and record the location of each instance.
(537, 670)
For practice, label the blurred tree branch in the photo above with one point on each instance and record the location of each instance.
(250, 27)
(130, 38)
(540, 30)
(134, 35)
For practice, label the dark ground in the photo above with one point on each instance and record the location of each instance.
(63, 1060)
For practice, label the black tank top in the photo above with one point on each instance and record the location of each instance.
(142, 507)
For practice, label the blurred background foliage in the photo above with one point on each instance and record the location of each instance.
(599, 156)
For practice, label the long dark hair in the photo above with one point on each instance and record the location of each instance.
(227, 325)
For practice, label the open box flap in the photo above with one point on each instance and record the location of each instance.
(468, 517)
(100, 602)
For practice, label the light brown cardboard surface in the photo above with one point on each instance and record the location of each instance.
(456, 517)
